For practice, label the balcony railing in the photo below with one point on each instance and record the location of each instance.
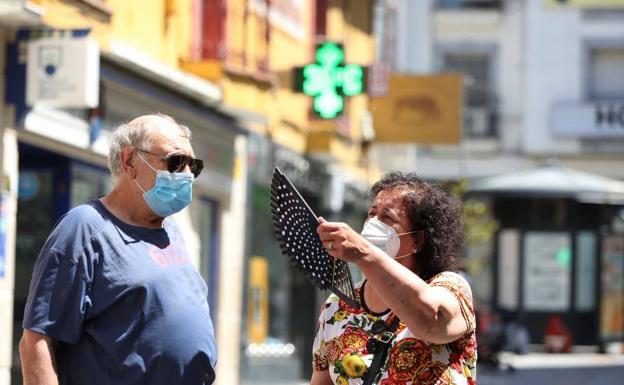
(480, 123)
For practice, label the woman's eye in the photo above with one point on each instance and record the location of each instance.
(388, 219)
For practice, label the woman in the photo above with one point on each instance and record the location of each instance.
(412, 301)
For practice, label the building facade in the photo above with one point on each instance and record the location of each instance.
(54, 157)
(542, 80)
(251, 51)
(225, 69)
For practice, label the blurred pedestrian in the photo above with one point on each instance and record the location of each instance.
(491, 336)
(417, 321)
(516, 336)
(114, 298)
(557, 337)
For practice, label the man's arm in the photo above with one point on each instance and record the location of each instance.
(37, 356)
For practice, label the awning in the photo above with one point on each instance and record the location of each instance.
(552, 181)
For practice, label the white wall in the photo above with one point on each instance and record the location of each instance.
(511, 75)
(556, 68)
(414, 37)
(553, 65)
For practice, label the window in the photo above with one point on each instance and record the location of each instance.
(320, 21)
(480, 117)
(606, 73)
(212, 33)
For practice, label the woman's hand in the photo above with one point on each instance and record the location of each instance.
(342, 242)
(431, 313)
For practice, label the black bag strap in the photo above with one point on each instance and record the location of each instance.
(381, 351)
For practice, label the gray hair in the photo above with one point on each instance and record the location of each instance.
(135, 133)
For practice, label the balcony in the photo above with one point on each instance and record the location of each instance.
(597, 120)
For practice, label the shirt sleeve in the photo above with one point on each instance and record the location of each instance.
(319, 353)
(460, 288)
(58, 297)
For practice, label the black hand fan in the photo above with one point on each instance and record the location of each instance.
(295, 228)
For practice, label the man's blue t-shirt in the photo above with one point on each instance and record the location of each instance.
(124, 303)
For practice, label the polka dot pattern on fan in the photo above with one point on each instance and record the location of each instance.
(295, 229)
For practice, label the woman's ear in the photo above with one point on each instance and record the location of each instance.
(420, 240)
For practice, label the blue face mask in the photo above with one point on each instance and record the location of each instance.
(171, 193)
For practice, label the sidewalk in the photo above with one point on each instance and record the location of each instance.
(554, 369)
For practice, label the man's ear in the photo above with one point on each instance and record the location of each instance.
(127, 160)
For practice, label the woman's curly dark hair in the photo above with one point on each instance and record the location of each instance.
(434, 212)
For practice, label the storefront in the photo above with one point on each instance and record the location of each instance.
(50, 183)
(559, 252)
(62, 163)
(282, 306)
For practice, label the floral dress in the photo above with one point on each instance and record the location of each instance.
(340, 344)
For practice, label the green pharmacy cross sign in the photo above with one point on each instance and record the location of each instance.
(329, 80)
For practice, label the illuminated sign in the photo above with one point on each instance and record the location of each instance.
(329, 80)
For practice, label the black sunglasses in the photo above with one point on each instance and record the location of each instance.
(177, 162)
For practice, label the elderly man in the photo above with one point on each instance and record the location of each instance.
(114, 298)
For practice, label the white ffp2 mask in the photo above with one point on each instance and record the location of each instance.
(383, 237)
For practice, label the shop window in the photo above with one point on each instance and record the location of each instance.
(273, 304)
(88, 182)
(208, 265)
(606, 73)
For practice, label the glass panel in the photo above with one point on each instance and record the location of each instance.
(547, 268)
(208, 262)
(612, 283)
(35, 219)
(508, 268)
(88, 182)
(271, 330)
(585, 271)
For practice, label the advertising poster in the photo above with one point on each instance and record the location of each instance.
(547, 271)
(612, 282)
